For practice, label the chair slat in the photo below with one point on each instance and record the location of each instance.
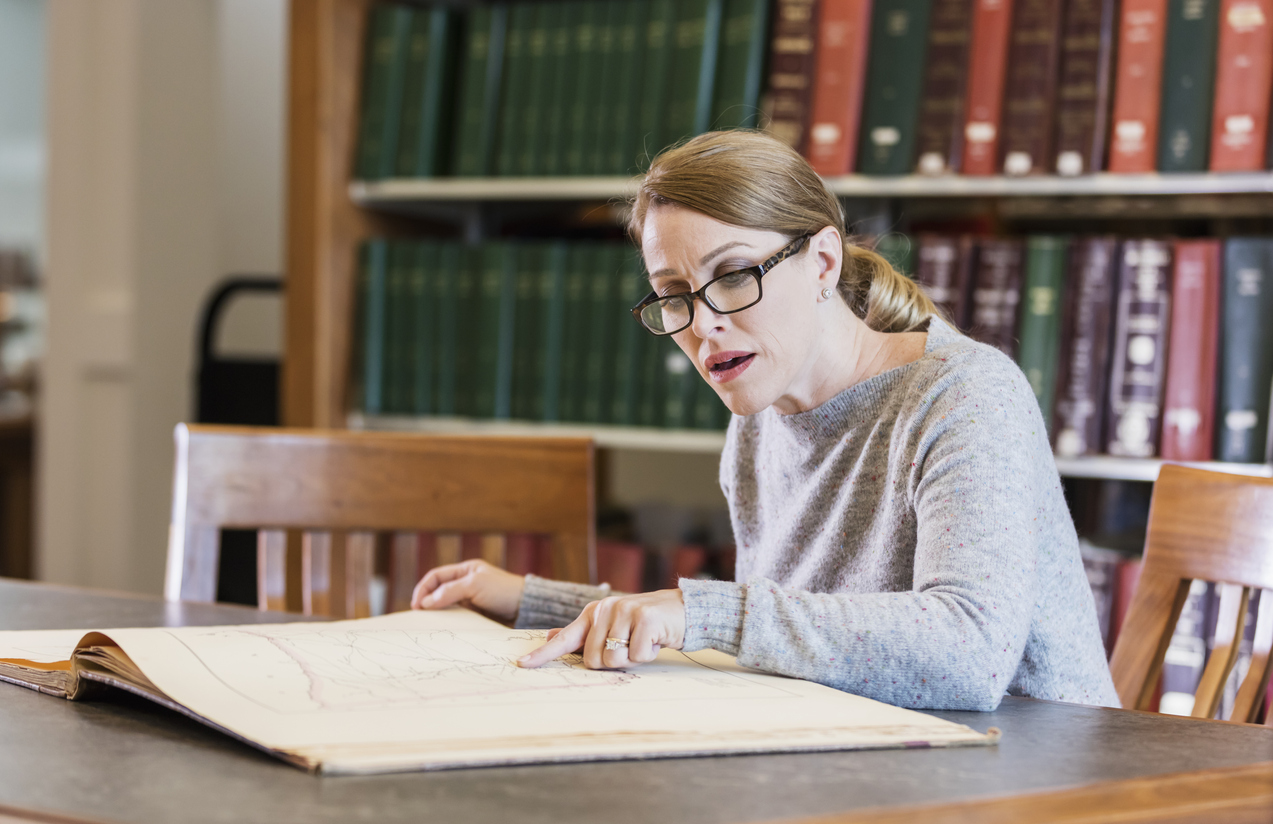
(449, 548)
(271, 569)
(1151, 620)
(316, 572)
(404, 571)
(1250, 695)
(494, 549)
(360, 560)
(1229, 621)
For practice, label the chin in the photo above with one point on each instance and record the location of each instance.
(741, 403)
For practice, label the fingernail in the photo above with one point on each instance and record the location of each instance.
(523, 661)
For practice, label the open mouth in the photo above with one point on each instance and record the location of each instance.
(728, 365)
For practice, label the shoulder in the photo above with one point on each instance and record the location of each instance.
(956, 370)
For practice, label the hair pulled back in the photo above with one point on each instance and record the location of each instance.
(747, 178)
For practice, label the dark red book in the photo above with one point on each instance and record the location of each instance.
(1138, 86)
(1029, 96)
(687, 562)
(997, 293)
(987, 70)
(844, 31)
(520, 550)
(1083, 367)
(1244, 84)
(1189, 402)
(621, 565)
(792, 55)
(1083, 91)
(945, 273)
(941, 107)
(1139, 363)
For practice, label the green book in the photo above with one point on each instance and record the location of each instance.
(469, 334)
(600, 352)
(448, 274)
(375, 266)
(575, 334)
(653, 381)
(1040, 330)
(556, 120)
(894, 81)
(384, 66)
(898, 250)
(605, 98)
(424, 326)
(1188, 84)
(527, 382)
(511, 133)
(632, 286)
(586, 87)
(552, 301)
(622, 131)
(542, 71)
(481, 76)
(656, 64)
(358, 330)
(680, 379)
(739, 70)
(709, 409)
(422, 137)
(398, 307)
(1246, 351)
(696, 45)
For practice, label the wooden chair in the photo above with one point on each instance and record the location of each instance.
(324, 502)
(1210, 526)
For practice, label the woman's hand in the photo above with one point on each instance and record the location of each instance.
(648, 622)
(475, 584)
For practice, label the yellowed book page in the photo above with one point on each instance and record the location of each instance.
(428, 690)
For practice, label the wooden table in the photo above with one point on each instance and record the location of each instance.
(125, 759)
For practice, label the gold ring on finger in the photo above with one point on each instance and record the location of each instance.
(616, 643)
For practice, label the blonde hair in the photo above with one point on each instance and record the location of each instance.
(747, 178)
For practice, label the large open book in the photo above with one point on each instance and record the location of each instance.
(430, 690)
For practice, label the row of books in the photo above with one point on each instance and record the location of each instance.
(580, 87)
(529, 330)
(1020, 87)
(1134, 347)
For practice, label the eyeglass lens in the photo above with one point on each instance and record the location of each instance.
(729, 293)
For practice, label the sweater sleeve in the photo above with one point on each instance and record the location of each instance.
(955, 640)
(547, 604)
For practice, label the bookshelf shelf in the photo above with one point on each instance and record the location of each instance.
(1146, 469)
(399, 192)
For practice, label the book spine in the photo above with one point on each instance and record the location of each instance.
(411, 119)
(941, 111)
(695, 39)
(1139, 363)
(1101, 568)
(489, 289)
(481, 82)
(423, 322)
(599, 352)
(622, 131)
(359, 330)
(987, 76)
(1083, 91)
(552, 297)
(629, 342)
(1030, 90)
(1186, 653)
(678, 386)
(511, 136)
(1041, 318)
(384, 67)
(997, 293)
(376, 256)
(506, 330)
(1082, 369)
(653, 358)
(526, 344)
(1189, 68)
(941, 259)
(792, 56)
(1190, 396)
(540, 75)
(1138, 86)
(587, 55)
(556, 117)
(470, 338)
(739, 71)
(1244, 85)
(844, 30)
(575, 338)
(894, 79)
(448, 273)
(659, 52)
(606, 100)
(1246, 350)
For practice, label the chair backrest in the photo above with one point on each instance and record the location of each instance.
(1209, 526)
(329, 504)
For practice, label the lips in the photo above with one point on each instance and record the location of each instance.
(725, 366)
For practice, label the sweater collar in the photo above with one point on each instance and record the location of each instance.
(863, 401)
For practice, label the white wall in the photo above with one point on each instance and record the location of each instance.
(165, 171)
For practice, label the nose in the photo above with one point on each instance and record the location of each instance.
(706, 319)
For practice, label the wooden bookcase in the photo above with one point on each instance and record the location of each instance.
(329, 213)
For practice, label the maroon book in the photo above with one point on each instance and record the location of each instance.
(1138, 369)
(1083, 91)
(1029, 101)
(792, 54)
(945, 274)
(1083, 368)
(621, 565)
(1189, 403)
(996, 293)
(941, 109)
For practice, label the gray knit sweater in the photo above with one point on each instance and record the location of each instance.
(907, 541)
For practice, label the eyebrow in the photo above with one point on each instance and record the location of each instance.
(724, 247)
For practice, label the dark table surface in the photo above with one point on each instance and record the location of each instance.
(124, 759)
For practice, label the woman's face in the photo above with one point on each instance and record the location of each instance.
(765, 353)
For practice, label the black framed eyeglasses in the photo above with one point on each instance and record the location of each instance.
(731, 292)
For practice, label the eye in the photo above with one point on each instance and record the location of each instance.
(734, 279)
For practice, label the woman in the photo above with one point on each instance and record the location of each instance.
(899, 520)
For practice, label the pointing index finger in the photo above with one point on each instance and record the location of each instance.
(568, 639)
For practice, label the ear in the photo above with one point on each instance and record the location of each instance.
(827, 249)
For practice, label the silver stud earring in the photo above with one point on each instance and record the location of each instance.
(826, 293)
